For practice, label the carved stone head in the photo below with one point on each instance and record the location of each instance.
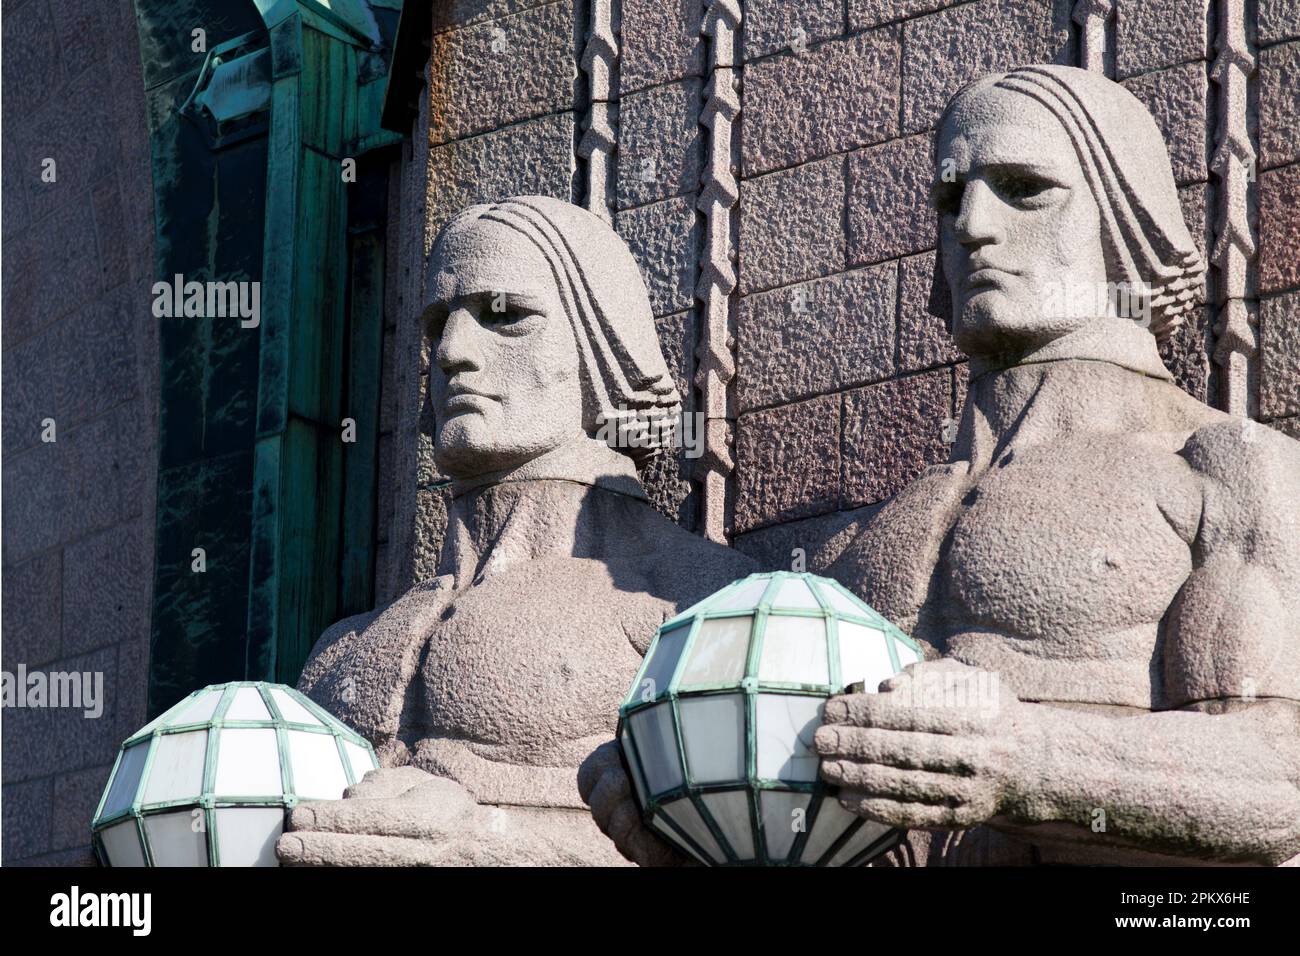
(541, 330)
(1057, 206)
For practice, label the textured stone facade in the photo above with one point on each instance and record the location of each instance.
(80, 347)
(844, 383)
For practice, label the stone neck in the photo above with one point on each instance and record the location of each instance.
(582, 459)
(561, 507)
(1096, 380)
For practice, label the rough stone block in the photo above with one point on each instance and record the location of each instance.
(872, 13)
(889, 200)
(449, 14)
(1177, 99)
(502, 71)
(76, 796)
(533, 158)
(1279, 229)
(821, 539)
(923, 338)
(49, 273)
(660, 147)
(1279, 333)
(1195, 200)
(26, 811)
(947, 49)
(790, 225)
(109, 458)
(431, 529)
(666, 479)
(892, 431)
(33, 64)
(960, 385)
(1153, 34)
(836, 96)
(1187, 354)
(34, 610)
(1279, 105)
(36, 495)
(107, 580)
(664, 241)
(787, 463)
(1278, 20)
(1288, 426)
(41, 741)
(814, 338)
(773, 25)
(661, 42)
(677, 337)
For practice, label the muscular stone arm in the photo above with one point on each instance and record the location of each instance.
(1217, 786)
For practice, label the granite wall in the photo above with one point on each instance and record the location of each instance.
(80, 347)
(768, 163)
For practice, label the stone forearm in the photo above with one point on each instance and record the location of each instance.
(1216, 786)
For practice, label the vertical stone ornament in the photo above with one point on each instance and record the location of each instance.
(1234, 251)
(1091, 16)
(716, 363)
(600, 63)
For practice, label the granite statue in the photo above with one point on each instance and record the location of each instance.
(484, 688)
(1107, 571)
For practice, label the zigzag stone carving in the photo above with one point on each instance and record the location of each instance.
(599, 141)
(716, 363)
(1091, 16)
(1234, 249)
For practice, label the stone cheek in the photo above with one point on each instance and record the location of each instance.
(535, 658)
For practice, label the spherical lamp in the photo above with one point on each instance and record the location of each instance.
(208, 782)
(717, 729)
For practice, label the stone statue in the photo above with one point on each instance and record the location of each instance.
(1108, 569)
(484, 688)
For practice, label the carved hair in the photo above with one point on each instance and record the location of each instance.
(1126, 164)
(625, 378)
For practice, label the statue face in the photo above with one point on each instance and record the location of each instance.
(505, 382)
(1017, 223)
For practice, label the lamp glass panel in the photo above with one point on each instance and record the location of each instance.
(786, 724)
(247, 705)
(832, 820)
(360, 758)
(246, 835)
(906, 655)
(248, 763)
(317, 768)
(718, 654)
(198, 711)
(668, 650)
(127, 778)
(672, 837)
(177, 839)
(864, 655)
(713, 735)
(867, 834)
(629, 752)
(730, 811)
(746, 596)
(177, 769)
(785, 814)
(794, 593)
(122, 844)
(683, 813)
(657, 744)
(794, 651)
(293, 711)
(841, 603)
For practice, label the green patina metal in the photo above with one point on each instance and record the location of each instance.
(249, 139)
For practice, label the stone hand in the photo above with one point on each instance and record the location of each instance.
(604, 786)
(936, 748)
(398, 816)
